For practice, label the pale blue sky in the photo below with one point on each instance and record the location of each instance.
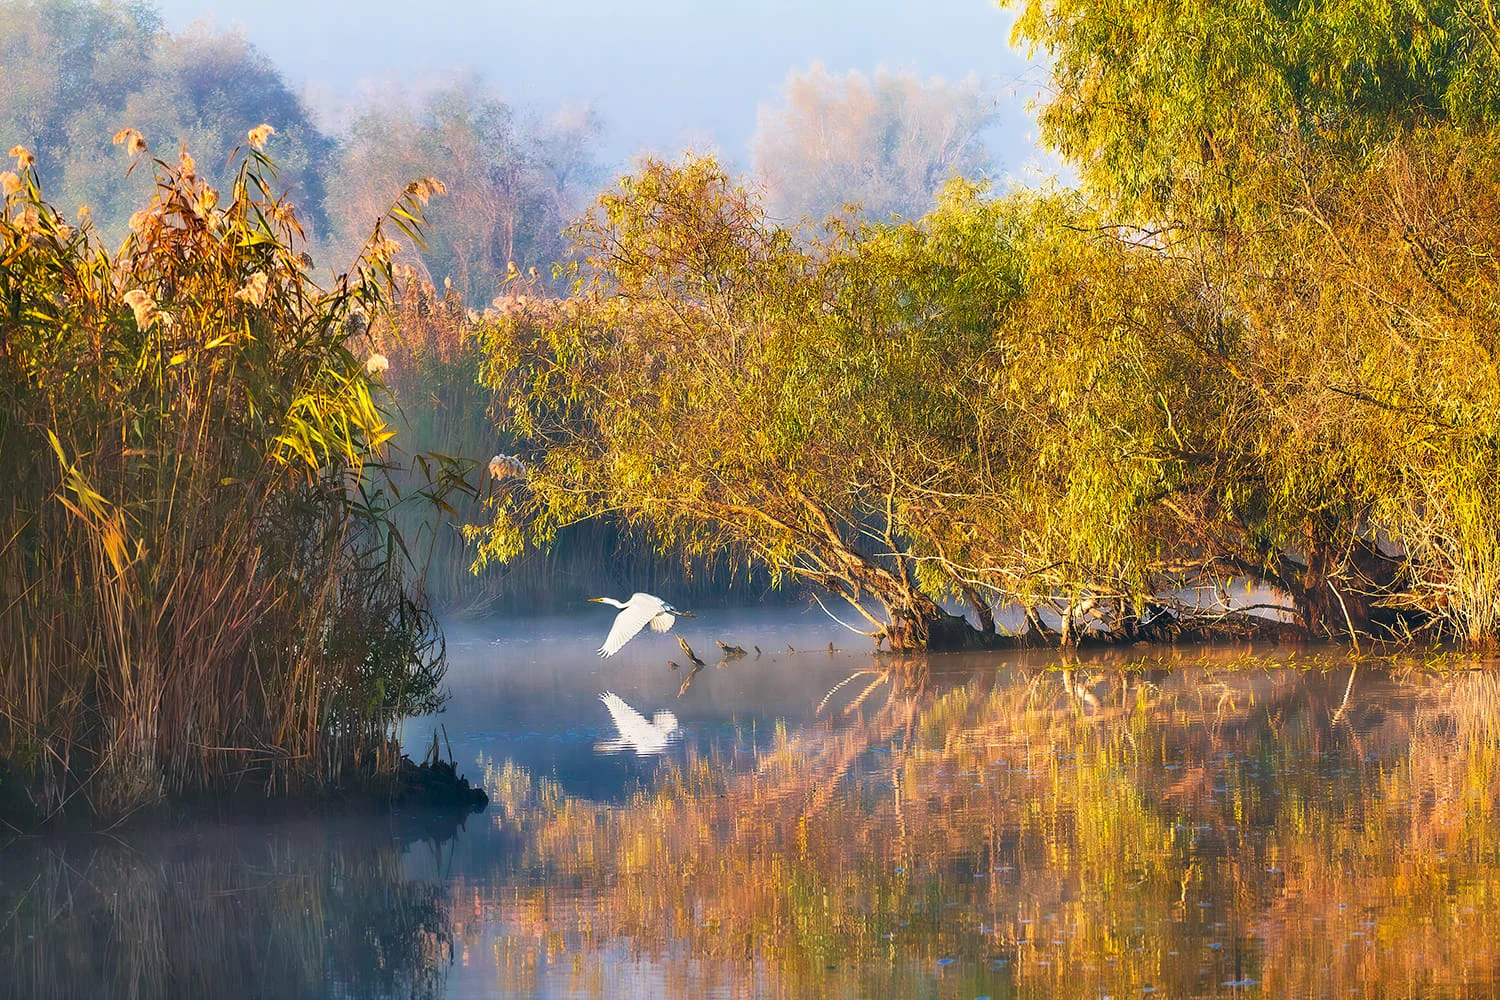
(663, 73)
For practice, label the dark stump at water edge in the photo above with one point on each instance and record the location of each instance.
(437, 784)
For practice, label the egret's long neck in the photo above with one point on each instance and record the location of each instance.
(609, 600)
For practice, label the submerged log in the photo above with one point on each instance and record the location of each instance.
(437, 784)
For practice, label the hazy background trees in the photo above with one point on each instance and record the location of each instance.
(888, 141)
(77, 72)
(513, 182)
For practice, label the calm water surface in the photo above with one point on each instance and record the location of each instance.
(1192, 824)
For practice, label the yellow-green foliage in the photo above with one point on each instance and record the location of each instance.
(197, 572)
(1016, 400)
(1179, 109)
(733, 384)
(982, 403)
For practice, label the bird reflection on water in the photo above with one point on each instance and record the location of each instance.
(645, 738)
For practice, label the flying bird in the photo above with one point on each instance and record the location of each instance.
(646, 738)
(635, 614)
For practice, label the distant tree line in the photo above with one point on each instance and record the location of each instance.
(78, 71)
(887, 143)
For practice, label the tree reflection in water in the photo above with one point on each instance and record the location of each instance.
(1050, 830)
(1059, 832)
(287, 911)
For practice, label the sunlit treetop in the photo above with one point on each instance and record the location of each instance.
(1171, 106)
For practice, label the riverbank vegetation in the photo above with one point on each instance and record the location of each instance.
(1254, 353)
(201, 586)
(1241, 381)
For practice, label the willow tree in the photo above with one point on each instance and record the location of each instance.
(1325, 174)
(1377, 341)
(1176, 111)
(723, 384)
(978, 406)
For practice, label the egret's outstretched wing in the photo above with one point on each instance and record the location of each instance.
(631, 619)
(663, 621)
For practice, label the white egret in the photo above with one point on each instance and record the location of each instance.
(635, 614)
(645, 737)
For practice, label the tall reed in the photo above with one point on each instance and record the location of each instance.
(200, 582)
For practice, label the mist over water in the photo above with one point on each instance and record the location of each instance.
(1182, 823)
(526, 689)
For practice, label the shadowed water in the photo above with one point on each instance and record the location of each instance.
(1187, 824)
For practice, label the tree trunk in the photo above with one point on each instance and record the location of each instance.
(922, 625)
(1328, 606)
(981, 607)
(1069, 640)
(1037, 633)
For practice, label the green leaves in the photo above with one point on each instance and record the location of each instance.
(1184, 109)
(842, 405)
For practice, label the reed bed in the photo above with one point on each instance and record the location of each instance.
(201, 585)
